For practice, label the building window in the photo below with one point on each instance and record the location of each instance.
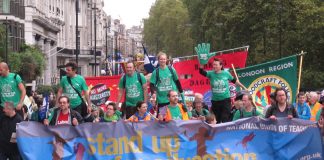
(5, 6)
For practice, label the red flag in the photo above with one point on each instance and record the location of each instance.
(188, 71)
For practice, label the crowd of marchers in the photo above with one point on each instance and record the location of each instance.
(69, 106)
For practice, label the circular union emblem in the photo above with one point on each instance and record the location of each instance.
(261, 88)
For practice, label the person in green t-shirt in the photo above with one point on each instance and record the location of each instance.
(163, 80)
(112, 114)
(199, 112)
(79, 83)
(219, 82)
(133, 84)
(11, 89)
(249, 109)
(175, 110)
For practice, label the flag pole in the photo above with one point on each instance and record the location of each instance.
(223, 51)
(235, 74)
(300, 70)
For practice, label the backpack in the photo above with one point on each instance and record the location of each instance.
(158, 80)
(138, 77)
(253, 112)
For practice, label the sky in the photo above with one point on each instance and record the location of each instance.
(131, 12)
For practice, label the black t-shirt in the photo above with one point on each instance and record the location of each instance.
(7, 127)
(274, 110)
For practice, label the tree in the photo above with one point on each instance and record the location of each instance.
(2, 42)
(168, 28)
(272, 29)
(29, 63)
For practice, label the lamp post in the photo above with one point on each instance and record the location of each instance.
(116, 50)
(95, 39)
(77, 36)
(6, 58)
(107, 27)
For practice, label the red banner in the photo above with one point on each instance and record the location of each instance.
(188, 71)
(110, 81)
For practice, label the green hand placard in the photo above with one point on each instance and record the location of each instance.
(202, 51)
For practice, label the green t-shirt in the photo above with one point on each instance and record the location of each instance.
(79, 84)
(9, 89)
(114, 117)
(246, 114)
(219, 84)
(203, 112)
(134, 89)
(175, 112)
(165, 84)
(318, 115)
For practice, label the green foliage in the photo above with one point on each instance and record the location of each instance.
(55, 88)
(44, 89)
(2, 41)
(168, 28)
(260, 24)
(29, 63)
(310, 78)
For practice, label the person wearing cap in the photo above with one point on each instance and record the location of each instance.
(248, 110)
(281, 108)
(314, 105)
(302, 108)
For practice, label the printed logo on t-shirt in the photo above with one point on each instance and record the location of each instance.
(219, 86)
(70, 92)
(165, 84)
(177, 118)
(132, 91)
(63, 119)
(7, 90)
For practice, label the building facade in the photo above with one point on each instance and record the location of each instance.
(43, 22)
(135, 40)
(12, 17)
(51, 25)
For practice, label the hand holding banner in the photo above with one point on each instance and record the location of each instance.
(202, 51)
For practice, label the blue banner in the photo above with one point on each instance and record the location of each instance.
(252, 138)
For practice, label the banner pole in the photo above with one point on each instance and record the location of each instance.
(299, 72)
(228, 50)
(235, 74)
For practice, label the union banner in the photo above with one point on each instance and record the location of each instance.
(253, 138)
(263, 79)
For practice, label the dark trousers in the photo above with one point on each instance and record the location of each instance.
(1, 111)
(5, 156)
(222, 110)
(78, 109)
(128, 111)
